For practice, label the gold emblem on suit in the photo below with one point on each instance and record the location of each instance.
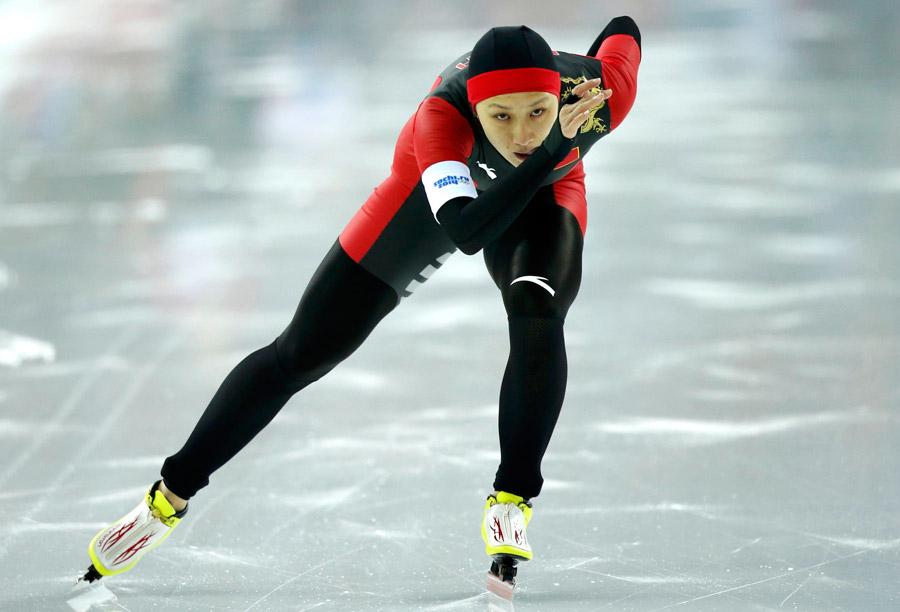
(593, 123)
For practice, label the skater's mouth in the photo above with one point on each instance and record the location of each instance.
(522, 156)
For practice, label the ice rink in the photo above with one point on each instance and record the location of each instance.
(171, 173)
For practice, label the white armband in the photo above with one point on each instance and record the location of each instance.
(447, 180)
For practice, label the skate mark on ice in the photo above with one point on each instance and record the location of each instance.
(361, 530)
(809, 577)
(8, 278)
(727, 295)
(700, 432)
(197, 555)
(797, 590)
(642, 580)
(486, 601)
(318, 501)
(301, 575)
(24, 215)
(763, 581)
(60, 369)
(709, 512)
(69, 404)
(551, 484)
(16, 350)
(29, 525)
(26, 493)
(153, 461)
(142, 376)
(658, 577)
(862, 544)
(414, 551)
(740, 548)
(19, 429)
(645, 583)
(349, 378)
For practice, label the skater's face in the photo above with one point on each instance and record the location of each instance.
(517, 123)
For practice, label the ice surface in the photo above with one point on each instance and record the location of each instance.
(171, 175)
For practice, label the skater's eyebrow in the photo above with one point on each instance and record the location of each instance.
(532, 105)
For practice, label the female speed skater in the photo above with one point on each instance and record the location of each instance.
(491, 161)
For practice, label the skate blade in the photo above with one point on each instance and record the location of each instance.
(91, 575)
(500, 587)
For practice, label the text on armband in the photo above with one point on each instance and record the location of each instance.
(452, 180)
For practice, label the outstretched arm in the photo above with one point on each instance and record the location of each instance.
(619, 48)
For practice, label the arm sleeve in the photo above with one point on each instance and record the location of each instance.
(473, 223)
(619, 48)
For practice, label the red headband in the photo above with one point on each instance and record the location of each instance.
(512, 80)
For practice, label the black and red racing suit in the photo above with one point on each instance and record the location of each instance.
(442, 150)
(449, 188)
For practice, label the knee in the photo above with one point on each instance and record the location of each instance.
(531, 296)
(303, 362)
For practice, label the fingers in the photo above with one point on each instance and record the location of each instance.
(584, 105)
(583, 88)
(573, 116)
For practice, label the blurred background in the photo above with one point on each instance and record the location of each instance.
(171, 173)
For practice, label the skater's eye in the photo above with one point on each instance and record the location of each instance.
(538, 112)
(501, 116)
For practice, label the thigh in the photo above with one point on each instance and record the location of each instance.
(536, 262)
(339, 309)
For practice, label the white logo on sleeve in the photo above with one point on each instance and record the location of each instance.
(451, 180)
(490, 171)
(540, 281)
(446, 180)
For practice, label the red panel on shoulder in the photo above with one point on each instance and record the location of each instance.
(441, 133)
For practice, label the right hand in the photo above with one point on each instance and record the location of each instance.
(572, 116)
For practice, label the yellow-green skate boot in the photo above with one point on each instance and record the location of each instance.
(121, 545)
(506, 517)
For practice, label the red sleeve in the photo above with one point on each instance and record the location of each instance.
(621, 56)
(441, 133)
